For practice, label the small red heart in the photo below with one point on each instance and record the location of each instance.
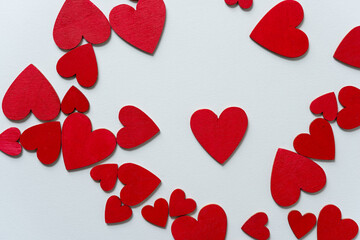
(31, 91)
(301, 225)
(45, 139)
(245, 4)
(80, 62)
(106, 174)
(78, 19)
(326, 105)
(74, 99)
(219, 136)
(115, 212)
(319, 144)
(211, 225)
(348, 50)
(349, 116)
(256, 228)
(180, 205)
(291, 173)
(142, 27)
(81, 146)
(139, 183)
(9, 141)
(138, 127)
(277, 30)
(332, 227)
(157, 215)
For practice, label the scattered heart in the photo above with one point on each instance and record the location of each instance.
(157, 215)
(74, 100)
(348, 50)
(301, 225)
(349, 116)
(115, 211)
(256, 228)
(180, 205)
(9, 141)
(326, 105)
(245, 4)
(106, 174)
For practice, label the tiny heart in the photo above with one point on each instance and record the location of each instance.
(81, 146)
(301, 225)
(106, 174)
(45, 139)
(256, 228)
(157, 215)
(142, 27)
(326, 105)
(9, 141)
(277, 30)
(348, 50)
(245, 4)
(319, 144)
(31, 91)
(139, 183)
(78, 19)
(349, 116)
(219, 136)
(292, 173)
(180, 205)
(211, 225)
(138, 127)
(115, 211)
(74, 100)
(332, 227)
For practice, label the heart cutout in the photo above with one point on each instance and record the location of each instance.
(157, 215)
(326, 105)
(73, 100)
(256, 228)
(180, 205)
(115, 211)
(348, 50)
(349, 116)
(301, 225)
(9, 141)
(245, 4)
(106, 174)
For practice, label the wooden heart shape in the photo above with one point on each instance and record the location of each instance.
(9, 141)
(245, 4)
(106, 174)
(326, 105)
(301, 225)
(115, 211)
(157, 214)
(256, 228)
(180, 205)
(349, 116)
(74, 100)
(348, 50)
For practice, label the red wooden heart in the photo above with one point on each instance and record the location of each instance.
(106, 174)
(138, 127)
(45, 139)
(319, 144)
(332, 227)
(326, 105)
(139, 183)
(78, 19)
(301, 225)
(74, 99)
(157, 215)
(256, 228)
(245, 4)
(115, 212)
(142, 27)
(31, 91)
(349, 116)
(277, 30)
(348, 50)
(180, 205)
(291, 173)
(9, 141)
(80, 62)
(211, 225)
(81, 146)
(219, 136)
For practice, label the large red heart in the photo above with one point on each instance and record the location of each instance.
(256, 228)
(277, 30)
(348, 50)
(219, 136)
(332, 227)
(327, 105)
(115, 212)
(301, 225)
(157, 215)
(9, 141)
(74, 99)
(292, 173)
(45, 139)
(211, 225)
(349, 116)
(81, 146)
(138, 127)
(319, 144)
(245, 4)
(139, 183)
(142, 27)
(78, 19)
(80, 62)
(179, 205)
(31, 91)
(106, 174)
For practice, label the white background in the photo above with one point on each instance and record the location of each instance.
(205, 59)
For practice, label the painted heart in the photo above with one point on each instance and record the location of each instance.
(211, 225)
(45, 139)
(245, 4)
(9, 141)
(79, 19)
(139, 183)
(349, 116)
(326, 105)
(319, 144)
(157, 215)
(81, 146)
(106, 174)
(301, 225)
(138, 128)
(115, 211)
(292, 173)
(219, 136)
(31, 91)
(74, 100)
(256, 228)
(142, 27)
(80, 62)
(348, 50)
(332, 227)
(277, 30)
(180, 205)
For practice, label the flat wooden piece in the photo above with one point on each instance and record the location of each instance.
(245, 4)
(348, 50)
(326, 105)
(157, 214)
(180, 205)
(9, 141)
(106, 174)
(73, 100)
(349, 116)
(300, 224)
(256, 228)
(115, 211)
